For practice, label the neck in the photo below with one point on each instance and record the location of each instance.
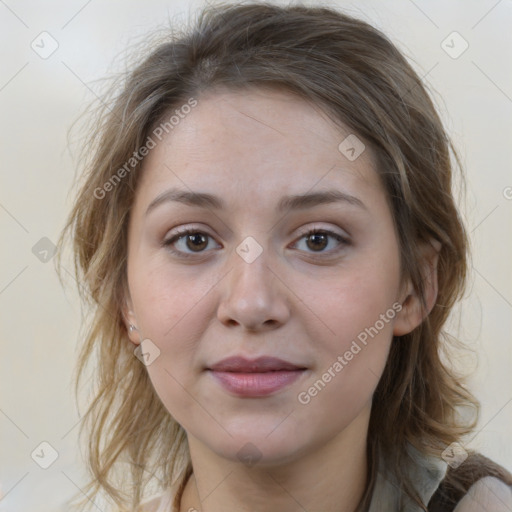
(327, 478)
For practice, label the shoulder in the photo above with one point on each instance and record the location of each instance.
(488, 493)
(477, 485)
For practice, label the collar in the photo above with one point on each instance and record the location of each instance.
(426, 473)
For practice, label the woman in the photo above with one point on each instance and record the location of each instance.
(268, 234)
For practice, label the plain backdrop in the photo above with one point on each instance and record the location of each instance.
(41, 96)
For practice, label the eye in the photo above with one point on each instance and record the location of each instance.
(188, 241)
(317, 240)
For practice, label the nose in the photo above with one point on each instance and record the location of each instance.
(253, 297)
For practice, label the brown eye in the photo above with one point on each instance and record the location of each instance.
(322, 242)
(196, 241)
(187, 242)
(317, 241)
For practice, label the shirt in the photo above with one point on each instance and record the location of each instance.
(425, 472)
(488, 494)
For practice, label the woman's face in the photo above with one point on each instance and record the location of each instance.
(249, 281)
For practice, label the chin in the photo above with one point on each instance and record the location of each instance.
(265, 443)
(260, 452)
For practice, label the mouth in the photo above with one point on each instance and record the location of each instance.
(255, 378)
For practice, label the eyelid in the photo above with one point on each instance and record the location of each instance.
(318, 228)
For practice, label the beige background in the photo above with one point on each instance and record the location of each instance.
(39, 100)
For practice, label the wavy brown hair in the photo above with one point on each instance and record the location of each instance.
(359, 79)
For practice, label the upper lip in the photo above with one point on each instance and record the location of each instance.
(261, 364)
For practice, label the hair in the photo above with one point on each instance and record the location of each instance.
(357, 76)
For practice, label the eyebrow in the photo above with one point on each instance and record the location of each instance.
(291, 202)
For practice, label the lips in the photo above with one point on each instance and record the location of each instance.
(260, 365)
(255, 378)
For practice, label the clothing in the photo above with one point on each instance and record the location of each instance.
(488, 494)
(426, 474)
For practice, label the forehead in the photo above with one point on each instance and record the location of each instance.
(256, 144)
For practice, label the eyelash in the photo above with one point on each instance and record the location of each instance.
(191, 231)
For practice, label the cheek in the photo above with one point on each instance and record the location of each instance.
(353, 334)
(165, 299)
(353, 301)
(173, 310)
(352, 355)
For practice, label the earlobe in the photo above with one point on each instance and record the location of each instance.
(131, 322)
(413, 311)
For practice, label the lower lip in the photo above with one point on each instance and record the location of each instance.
(256, 384)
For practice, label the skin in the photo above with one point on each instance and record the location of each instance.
(300, 300)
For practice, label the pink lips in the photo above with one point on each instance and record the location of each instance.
(255, 378)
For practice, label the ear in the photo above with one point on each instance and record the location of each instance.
(413, 313)
(130, 319)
